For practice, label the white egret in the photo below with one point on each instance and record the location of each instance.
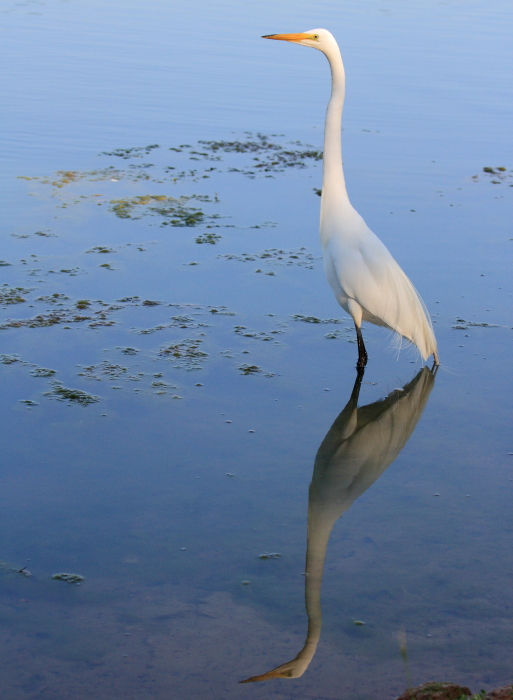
(366, 280)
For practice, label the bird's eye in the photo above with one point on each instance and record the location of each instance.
(315, 36)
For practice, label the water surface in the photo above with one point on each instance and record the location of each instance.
(161, 419)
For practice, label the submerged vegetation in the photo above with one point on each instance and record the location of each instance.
(101, 249)
(256, 335)
(256, 155)
(62, 178)
(496, 176)
(42, 372)
(96, 316)
(9, 359)
(185, 354)
(172, 209)
(211, 238)
(71, 396)
(250, 369)
(55, 298)
(463, 325)
(103, 369)
(267, 156)
(314, 319)
(12, 295)
(127, 153)
(68, 578)
(276, 256)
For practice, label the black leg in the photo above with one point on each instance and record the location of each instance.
(362, 352)
(360, 371)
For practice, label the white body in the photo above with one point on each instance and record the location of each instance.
(370, 285)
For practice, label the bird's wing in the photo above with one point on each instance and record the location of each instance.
(368, 273)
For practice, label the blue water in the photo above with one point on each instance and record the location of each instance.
(164, 492)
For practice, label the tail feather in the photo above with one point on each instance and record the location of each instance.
(401, 309)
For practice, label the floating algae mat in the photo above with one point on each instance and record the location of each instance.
(197, 487)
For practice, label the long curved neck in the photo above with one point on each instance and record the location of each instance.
(334, 193)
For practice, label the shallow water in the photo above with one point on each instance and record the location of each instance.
(173, 437)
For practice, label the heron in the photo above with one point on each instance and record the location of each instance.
(367, 281)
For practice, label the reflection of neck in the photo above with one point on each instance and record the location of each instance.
(323, 514)
(320, 525)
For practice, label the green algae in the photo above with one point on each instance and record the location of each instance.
(221, 311)
(250, 369)
(314, 319)
(256, 335)
(210, 238)
(462, 325)
(255, 155)
(497, 175)
(9, 359)
(179, 321)
(276, 256)
(97, 313)
(68, 578)
(101, 249)
(184, 321)
(333, 335)
(42, 372)
(267, 156)
(45, 320)
(127, 153)
(71, 271)
(105, 369)
(63, 178)
(36, 371)
(185, 354)
(149, 331)
(53, 298)
(172, 209)
(12, 295)
(71, 396)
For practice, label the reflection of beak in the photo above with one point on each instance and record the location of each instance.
(287, 37)
(270, 674)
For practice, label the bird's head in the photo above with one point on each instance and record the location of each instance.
(319, 39)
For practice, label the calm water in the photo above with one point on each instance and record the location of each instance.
(162, 420)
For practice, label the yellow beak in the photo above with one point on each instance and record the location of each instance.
(288, 37)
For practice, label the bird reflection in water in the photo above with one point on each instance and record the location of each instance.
(359, 446)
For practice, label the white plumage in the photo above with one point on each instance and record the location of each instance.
(366, 280)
